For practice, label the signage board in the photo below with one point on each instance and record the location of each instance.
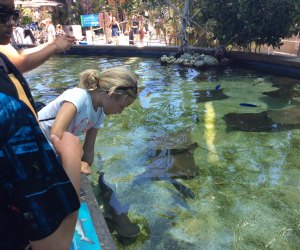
(91, 20)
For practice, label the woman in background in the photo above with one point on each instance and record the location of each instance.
(115, 30)
(28, 37)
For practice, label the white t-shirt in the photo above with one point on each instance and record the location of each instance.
(18, 35)
(86, 117)
(51, 32)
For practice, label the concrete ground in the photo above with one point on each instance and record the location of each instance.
(124, 40)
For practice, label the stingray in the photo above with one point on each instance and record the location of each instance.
(285, 82)
(172, 158)
(283, 93)
(269, 120)
(210, 95)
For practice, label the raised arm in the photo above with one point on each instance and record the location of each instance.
(31, 58)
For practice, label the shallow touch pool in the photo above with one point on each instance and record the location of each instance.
(248, 190)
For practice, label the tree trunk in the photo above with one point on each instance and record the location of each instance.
(69, 11)
(184, 43)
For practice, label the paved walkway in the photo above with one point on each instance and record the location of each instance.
(278, 58)
(124, 40)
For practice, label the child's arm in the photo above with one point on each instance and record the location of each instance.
(63, 119)
(88, 146)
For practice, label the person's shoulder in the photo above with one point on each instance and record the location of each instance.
(5, 48)
(75, 95)
(8, 51)
(76, 90)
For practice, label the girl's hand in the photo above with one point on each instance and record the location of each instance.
(85, 168)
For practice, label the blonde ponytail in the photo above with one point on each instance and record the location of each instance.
(112, 80)
(89, 79)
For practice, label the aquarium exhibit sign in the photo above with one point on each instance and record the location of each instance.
(90, 20)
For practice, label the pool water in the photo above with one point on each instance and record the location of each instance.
(247, 191)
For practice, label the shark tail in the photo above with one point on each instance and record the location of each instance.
(86, 239)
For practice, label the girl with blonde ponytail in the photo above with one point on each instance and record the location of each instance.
(81, 110)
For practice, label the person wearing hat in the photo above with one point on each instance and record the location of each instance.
(42, 36)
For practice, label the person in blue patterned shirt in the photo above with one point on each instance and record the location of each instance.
(38, 192)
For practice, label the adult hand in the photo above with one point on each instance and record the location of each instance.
(64, 42)
(70, 151)
(68, 146)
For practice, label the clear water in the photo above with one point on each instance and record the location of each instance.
(247, 194)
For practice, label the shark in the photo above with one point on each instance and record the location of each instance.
(80, 230)
(116, 214)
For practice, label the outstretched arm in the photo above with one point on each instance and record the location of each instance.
(31, 58)
(89, 144)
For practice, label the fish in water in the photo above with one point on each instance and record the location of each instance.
(171, 157)
(283, 93)
(210, 95)
(116, 214)
(80, 230)
(269, 120)
(185, 191)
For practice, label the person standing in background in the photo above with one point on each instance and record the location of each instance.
(107, 25)
(42, 34)
(135, 27)
(157, 27)
(28, 37)
(142, 34)
(18, 35)
(115, 30)
(59, 30)
(50, 30)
